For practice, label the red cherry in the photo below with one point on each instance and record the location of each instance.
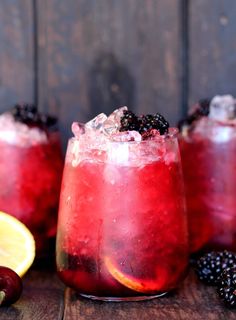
(10, 286)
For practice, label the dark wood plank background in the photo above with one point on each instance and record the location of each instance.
(77, 58)
(212, 48)
(17, 74)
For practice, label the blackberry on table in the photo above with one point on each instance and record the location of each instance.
(210, 266)
(227, 287)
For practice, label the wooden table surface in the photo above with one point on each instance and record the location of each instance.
(45, 298)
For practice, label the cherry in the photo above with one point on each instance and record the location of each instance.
(10, 286)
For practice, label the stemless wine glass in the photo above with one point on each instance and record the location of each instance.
(208, 151)
(122, 232)
(31, 165)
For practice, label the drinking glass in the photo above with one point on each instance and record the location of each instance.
(208, 153)
(122, 231)
(31, 165)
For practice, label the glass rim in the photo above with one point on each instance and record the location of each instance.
(171, 135)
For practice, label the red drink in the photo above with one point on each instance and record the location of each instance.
(208, 152)
(30, 174)
(122, 228)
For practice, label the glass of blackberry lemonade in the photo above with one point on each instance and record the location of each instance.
(122, 231)
(31, 166)
(208, 152)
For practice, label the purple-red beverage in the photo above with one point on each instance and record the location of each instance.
(208, 152)
(122, 232)
(31, 166)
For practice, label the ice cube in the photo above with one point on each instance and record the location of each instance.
(118, 153)
(222, 108)
(17, 133)
(222, 134)
(112, 123)
(78, 129)
(126, 136)
(96, 124)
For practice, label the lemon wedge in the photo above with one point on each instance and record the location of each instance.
(139, 285)
(17, 245)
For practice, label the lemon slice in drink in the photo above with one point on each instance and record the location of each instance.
(17, 246)
(139, 285)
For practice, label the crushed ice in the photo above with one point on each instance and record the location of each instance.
(78, 129)
(112, 123)
(102, 137)
(222, 108)
(108, 127)
(126, 136)
(96, 124)
(17, 133)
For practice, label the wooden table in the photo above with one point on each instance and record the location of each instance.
(45, 298)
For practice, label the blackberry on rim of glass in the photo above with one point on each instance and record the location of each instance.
(201, 109)
(129, 121)
(28, 113)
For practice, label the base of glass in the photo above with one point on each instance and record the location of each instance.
(124, 299)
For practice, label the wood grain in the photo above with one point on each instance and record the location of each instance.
(42, 298)
(192, 301)
(97, 55)
(16, 52)
(212, 48)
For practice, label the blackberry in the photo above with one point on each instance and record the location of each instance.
(162, 124)
(144, 123)
(28, 114)
(204, 107)
(155, 121)
(202, 110)
(227, 287)
(129, 121)
(210, 266)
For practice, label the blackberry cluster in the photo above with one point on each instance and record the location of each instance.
(210, 267)
(202, 110)
(227, 287)
(28, 114)
(155, 121)
(144, 123)
(219, 269)
(129, 121)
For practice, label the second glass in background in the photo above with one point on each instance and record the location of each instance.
(31, 164)
(208, 152)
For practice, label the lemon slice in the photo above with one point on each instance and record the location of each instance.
(139, 285)
(17, 245)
